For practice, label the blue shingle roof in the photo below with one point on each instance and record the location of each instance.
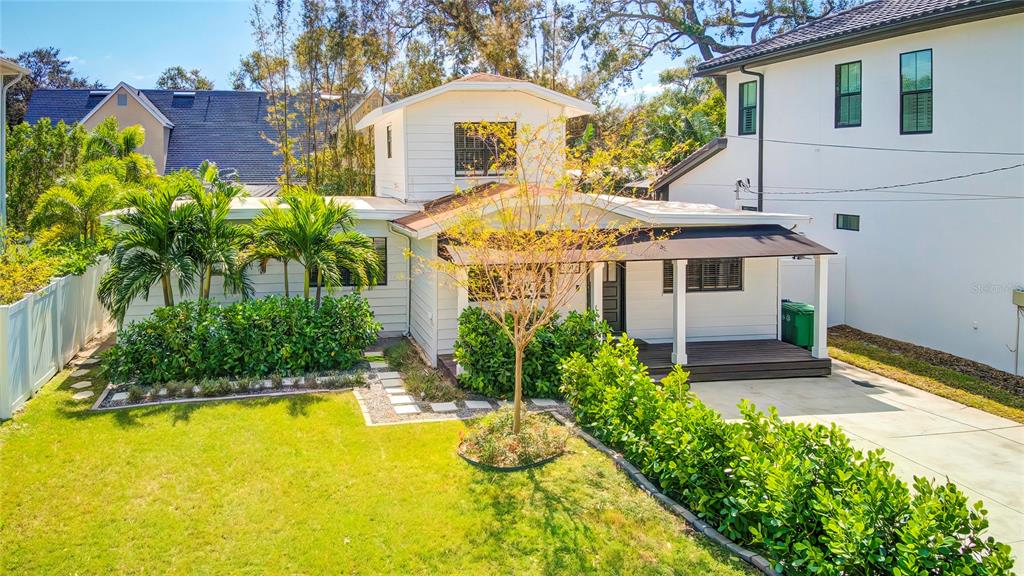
(222, 126)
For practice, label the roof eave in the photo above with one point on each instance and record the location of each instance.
(961, 15)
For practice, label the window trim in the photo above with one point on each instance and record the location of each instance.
(839, 215)
(488, 172)
(931, 74)
(840, 95)
(691, 265)
(388, 133)
(739, 120)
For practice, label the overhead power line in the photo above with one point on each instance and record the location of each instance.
(907, 184)
(879, 148)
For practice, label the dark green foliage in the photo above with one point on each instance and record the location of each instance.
(486, 354)
(799, 494)
(192, 342)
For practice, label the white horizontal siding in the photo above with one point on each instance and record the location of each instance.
(430, 137)
(390, 302)
(746, 314)
(424, 297)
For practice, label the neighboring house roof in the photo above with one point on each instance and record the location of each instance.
(868, 22)
(223, 126)
(136, 95)
(484, 83)
(687, 164)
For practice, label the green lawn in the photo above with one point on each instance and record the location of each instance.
(302, 486)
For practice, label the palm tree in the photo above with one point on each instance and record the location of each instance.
(216, 243)
(154, 245)
(72, 210)
(108, 140)
(306, 232)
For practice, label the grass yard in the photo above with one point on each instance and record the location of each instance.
(970, 383)
(302, 486)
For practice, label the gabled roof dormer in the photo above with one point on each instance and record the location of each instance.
(123, 88)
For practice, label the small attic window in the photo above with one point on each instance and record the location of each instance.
(183, 99)
(122, 99)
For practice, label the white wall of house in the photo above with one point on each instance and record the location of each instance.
(423, 314)
(796, 277)
(750, 313)
(938, 273)
(422, 166)
(389, 173)
(390, 302)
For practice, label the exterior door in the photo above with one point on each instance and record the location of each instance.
(614, 296)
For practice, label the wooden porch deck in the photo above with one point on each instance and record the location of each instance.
(736, 360)
(722, 360)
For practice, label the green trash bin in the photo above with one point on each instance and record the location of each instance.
(798, 324)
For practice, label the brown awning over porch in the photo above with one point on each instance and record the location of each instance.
(760, 241)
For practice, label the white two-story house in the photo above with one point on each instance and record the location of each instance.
(898, 127)
(705, 295)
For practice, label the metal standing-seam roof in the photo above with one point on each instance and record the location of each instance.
(865, 23)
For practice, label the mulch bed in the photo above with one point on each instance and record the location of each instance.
(988, 374)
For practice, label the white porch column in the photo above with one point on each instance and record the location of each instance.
(679, 311)
(820, 348)
(461, 299)
(597, 288)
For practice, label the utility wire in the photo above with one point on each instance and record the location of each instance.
(906, 184)
(879, 148)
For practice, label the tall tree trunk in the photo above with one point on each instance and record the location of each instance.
(285, 262)
(305, 283)
(207, 276)
(517, 404)
(319, 283)
(165, 282)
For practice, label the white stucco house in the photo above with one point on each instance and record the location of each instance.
(706, 297)
(898, 127)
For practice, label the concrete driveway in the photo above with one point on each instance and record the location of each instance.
(922, 434)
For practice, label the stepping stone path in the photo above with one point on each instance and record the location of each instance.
(119, 397)
(83, 395)
(377, 365)
(401, 399)
(290, 381)
(369, 353)
(544, 402)
(389, 375)
(88, 362)
(478, 405)
(82, 384)
(407, 409)
(443, 406)
(394, 390)
(79, 373)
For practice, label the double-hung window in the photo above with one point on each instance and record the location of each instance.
(484, 154)
(848, 95)
(748, 108)
(916, 92)
(706, 275)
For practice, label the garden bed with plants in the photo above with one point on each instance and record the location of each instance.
(799, 494)
(490, 443)
(253, 347)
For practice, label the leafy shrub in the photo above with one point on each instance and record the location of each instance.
(488, 359)
(801, 494)
(490, 440)
(27, 268)
(196, 341)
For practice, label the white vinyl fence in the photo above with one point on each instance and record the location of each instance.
(43, 331)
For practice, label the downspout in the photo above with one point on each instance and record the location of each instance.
(3, 160)
(408, 273)
(760, 135)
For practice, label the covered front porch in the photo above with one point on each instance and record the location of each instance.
(708, 299)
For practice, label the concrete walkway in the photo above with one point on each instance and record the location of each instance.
(922, 434)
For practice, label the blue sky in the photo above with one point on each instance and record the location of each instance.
(134, 41)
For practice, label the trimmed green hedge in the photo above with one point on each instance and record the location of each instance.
(195, 341)
(488, 359)
(800, 494)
